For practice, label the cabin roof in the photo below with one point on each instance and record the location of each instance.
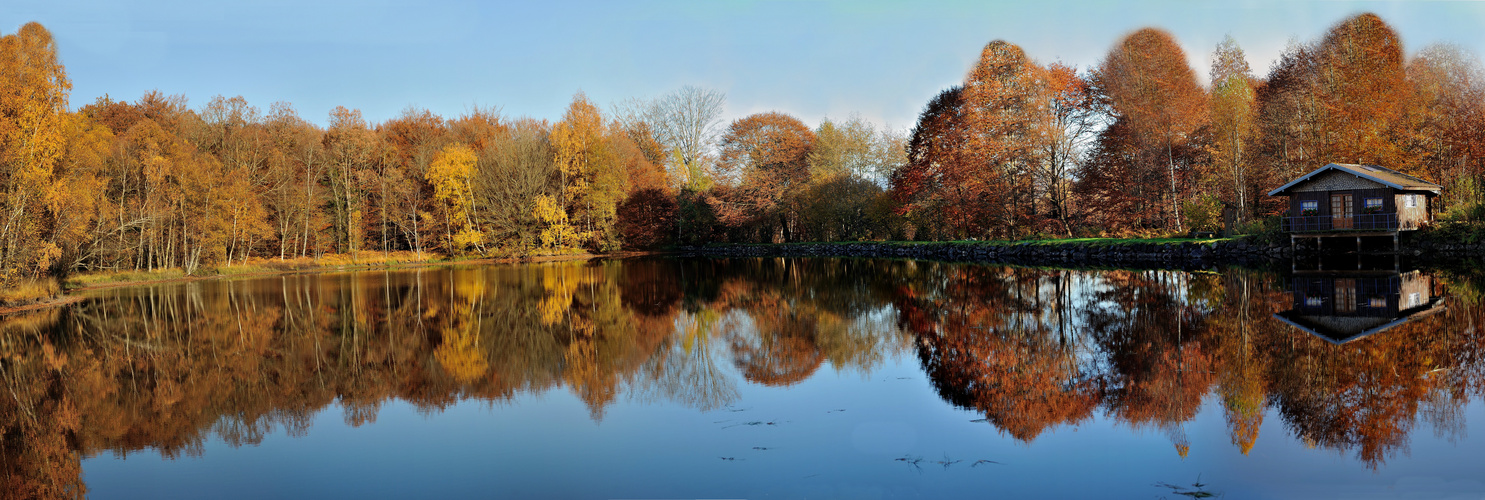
(1385, 176)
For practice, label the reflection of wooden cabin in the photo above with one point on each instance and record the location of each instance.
(1341, 307)
(1356, 200)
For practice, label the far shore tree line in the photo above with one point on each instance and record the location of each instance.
(1133, 145)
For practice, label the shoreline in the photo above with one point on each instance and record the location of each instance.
(1153, 254)
(265, 268)
(1167, 253)
(1176, 254)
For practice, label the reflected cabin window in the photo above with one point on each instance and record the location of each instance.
(1314, 301)
(1377, 302)
(1414, 299)
(1345, 296)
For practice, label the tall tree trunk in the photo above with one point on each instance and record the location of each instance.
(1175, 199)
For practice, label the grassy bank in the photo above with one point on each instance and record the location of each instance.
(29, 291)
(255, 266)
(28, 295)
(1453, 232)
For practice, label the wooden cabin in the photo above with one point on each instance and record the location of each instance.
(1340, 307)
(1366, 198)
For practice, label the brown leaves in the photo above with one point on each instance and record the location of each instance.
(1146, 78)
(766, 157)
(994, 158)
(1149, 87)
(934, 154)
(1446, 121)
(1361, 85)
(647, 219)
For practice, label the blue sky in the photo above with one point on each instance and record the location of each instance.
(812, 59)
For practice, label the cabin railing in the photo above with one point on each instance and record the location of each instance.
(1362, 222)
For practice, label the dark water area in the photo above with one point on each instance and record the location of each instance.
(755, 378)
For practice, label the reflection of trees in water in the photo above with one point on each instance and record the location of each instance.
(1242, 384)
(458, 351)
(1035, 349)
(773, 343)
(167, 367)
(685, 368)
(38, 453)
(1367, 398)
(1160, 364)
(997, 341)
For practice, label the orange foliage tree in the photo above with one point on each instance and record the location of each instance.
(1361, 85)
(1005, 118)
(765, 156)
(924, 186)
(1148, 85)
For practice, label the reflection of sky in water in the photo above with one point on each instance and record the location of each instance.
(546, 446)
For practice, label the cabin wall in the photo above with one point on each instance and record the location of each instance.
(1411, 217)
(1359, 218)
(1323, 185)
(1359, 196)
(1323, 197)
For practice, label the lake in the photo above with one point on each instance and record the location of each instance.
(754, 378)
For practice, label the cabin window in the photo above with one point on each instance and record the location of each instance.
(1410, 200)
(1373, 206)
(1309, 207)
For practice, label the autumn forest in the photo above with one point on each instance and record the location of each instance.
(1022, 148)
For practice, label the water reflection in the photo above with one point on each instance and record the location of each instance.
(1344, 306)
(1032, 350)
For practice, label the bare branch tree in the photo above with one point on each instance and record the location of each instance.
(686, 121)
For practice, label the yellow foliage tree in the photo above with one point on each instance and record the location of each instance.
(1234, 109)
(78, 189)
(33, 109)
(593, 174)
(450, 174)
(557, 233)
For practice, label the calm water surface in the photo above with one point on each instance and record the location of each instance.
(770, 378)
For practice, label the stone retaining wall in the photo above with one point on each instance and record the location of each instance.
(1181, 255)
